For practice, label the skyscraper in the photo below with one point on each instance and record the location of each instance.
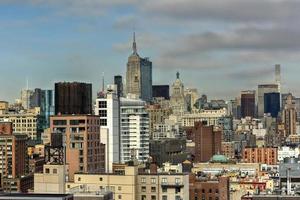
(262, 89)
(139, 75)
(177, 101)
(73, 98)
(272, 103)
(108, 110)
(289, 116)
(248, 103)
(161, 91)
(278, 76)
(134, 127)
(119, 82)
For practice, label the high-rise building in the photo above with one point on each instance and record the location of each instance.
(191, 97)
(248, 103)
(161, 91)
(139, 75)
(177, 101)
(272, 103)
(45, 100)
(84, 151)
(73, 98)
(119, 82)
(25, 123)
(262, 89)
(14, 159)
(289, 116)
(278, 77)
(134, 126)
(108, 110)
(25, 98)
(207, 142)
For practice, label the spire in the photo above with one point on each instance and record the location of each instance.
(177, 75)
(103, 82)
(134, 44)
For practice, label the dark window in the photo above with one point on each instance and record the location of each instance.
(60, 122)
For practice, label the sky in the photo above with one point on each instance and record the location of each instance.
(219, 47)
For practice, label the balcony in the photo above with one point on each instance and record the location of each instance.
(172, 185)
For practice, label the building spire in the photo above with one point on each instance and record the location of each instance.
(177, 75)
(134, 44)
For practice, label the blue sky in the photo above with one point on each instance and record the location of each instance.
(219, 48)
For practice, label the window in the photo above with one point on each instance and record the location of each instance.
(100, 179)
(177, 190)
(153, 197)
(164, 180)
(143, 180)
(54, 171)
(143, 189)
(153, 189)
(153, 180)
(210, 190)
(217, 191)
(177, 180)
(60, 122)
(203, 190)
(103, 113)
(177, 198)
(103, 122)
(119, 188)
(47, 171)
(79, 179)
(165, 197)
(120, 196)
(164, 189)
(143, 197)
(102, 104)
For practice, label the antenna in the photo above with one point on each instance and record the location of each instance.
(102, 81)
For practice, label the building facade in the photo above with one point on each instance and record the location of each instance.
(84, 151)
(262, 89)
(108, 109)
(73, 98)
(263, 155)
(248, 103)
(134, 127)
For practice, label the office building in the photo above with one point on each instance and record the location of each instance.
(161, 91)
(107, 108)
(119, 82)
(191, 96)
(272, 103)
(157, 115)
(25, 98)
(73, 98)
(262, 155)
(139, 75)
(171, 150)
(44, 99)
(177, 100)
(134, 127)
(289, 116)
(262, 89)
(248, 103)
(25, 123)
(207, 142)
(84, 151)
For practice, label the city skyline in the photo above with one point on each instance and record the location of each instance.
(51, 41)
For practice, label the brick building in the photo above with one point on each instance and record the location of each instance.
(264, 155)
(207, 142)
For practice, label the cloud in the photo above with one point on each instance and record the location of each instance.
(128, 22)
(224, 11)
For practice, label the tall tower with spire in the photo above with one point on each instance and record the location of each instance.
(138, 75)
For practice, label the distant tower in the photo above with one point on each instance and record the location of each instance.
(278, 77)
(139, 75)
